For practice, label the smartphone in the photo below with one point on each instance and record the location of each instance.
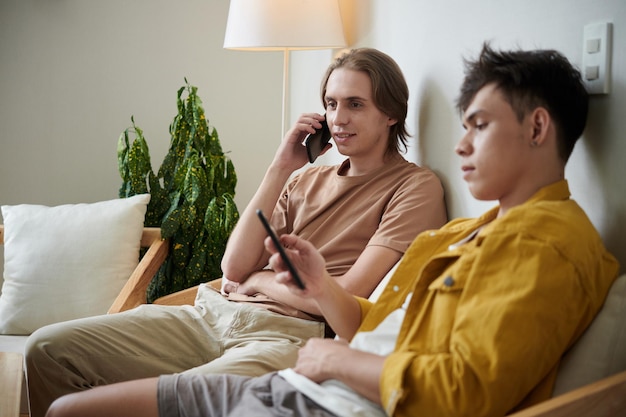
(315, 142)
(281, 250)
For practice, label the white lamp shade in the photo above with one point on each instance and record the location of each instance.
(284, 24)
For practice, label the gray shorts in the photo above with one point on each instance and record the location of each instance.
(194, 395)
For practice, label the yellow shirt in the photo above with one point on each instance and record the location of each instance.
(490, 318)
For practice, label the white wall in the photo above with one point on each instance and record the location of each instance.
(430, 38)
(72, 72)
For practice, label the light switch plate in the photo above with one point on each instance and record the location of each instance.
(597, 50)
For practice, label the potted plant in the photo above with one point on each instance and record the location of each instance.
(192, 196)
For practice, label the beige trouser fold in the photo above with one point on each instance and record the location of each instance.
(214, 336)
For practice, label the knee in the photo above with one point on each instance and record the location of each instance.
(34, 344)
(42, 343)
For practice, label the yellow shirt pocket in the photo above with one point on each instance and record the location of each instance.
(444, 294)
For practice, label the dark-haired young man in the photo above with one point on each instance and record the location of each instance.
(478, 314)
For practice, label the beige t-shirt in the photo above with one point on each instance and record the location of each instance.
(342, 215)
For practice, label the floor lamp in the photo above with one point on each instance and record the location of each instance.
(283, 25)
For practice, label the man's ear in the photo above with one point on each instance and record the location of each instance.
(540, 122)
(391, 122)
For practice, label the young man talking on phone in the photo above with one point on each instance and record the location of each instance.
(361, 215)
(478, 314)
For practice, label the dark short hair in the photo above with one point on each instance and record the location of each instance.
(531, 79)
(389, 89)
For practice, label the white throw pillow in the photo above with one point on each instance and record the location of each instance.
(67, 262)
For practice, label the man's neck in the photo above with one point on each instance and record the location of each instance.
(522, 197)
(360, 166)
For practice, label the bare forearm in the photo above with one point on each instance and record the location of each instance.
(361, 371)
(336, 304)
(245, 252)
(324, 359)
(264, 282)
(340, 309)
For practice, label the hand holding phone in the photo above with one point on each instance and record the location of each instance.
(316, 142)
(281, 250)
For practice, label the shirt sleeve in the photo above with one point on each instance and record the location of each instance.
(280, 219)
(417, 205)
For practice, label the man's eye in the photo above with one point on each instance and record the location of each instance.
(331, 105)
(355, 105)
(481, 126)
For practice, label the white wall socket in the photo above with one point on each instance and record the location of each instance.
(597, 47)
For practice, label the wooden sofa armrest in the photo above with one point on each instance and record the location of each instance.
(133, 293)
(603, 398)
(178, 298)
(187, 296)
(11, 375)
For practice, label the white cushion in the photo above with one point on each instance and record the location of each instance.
(67, 262)
(601, 350)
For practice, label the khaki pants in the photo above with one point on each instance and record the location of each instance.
(214, 336)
